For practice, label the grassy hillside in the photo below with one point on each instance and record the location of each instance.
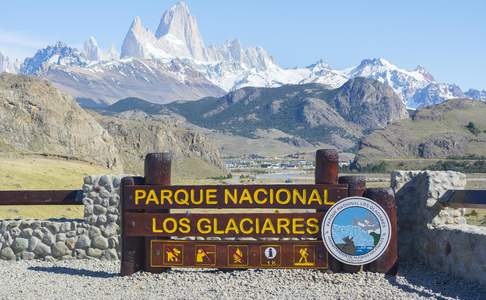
(438, 137)
(30, 173)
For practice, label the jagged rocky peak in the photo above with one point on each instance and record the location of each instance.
(94, 53)
(232, 52)
(91, 50)
(421, 69)
(57, 54)
(139, 42)
(177, 24)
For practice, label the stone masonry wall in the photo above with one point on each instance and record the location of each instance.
(97, 236)
(433, 234)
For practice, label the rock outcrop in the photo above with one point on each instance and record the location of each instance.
(35, 118)
(136, 134)
(455, 128)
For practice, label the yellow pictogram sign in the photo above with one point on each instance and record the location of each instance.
(304, 256)
(205, 255)
(238, 255)
(173, 255)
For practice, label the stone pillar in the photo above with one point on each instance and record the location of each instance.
(102, 214)
(418, 195)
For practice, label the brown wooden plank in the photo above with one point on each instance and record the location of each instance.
(309, 196)
(465, 198)
(235, 254)
(35, 197)
(221, 225)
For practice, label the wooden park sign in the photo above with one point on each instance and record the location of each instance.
(155, 239)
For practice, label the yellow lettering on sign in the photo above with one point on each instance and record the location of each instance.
(315, 197)
(210, 196)
(326, 200)
(242, 225)
(197, 201)
(278, 196)
(312, 226)
(298, 226)
(283, 225)
(257, 197)
(184, 200)
(139, 195)
(152, 197)
(268, 226)
(301, 197)
(154, 226)
(184, 225)
(245, 196)
(228, 196)
(203, 225)
(166, 195)
(231, 226)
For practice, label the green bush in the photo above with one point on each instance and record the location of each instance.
(472, 128)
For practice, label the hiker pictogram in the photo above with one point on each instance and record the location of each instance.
(304, 256)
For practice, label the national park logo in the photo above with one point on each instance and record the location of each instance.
(356, 230)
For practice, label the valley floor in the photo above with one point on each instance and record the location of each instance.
(50, 173)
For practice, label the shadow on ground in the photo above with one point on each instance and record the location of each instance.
(74, 272)
(428, 283)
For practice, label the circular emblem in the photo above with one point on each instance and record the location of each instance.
(356, 230)
(270, 253)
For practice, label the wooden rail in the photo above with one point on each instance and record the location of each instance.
(465, 199)
(36, 197)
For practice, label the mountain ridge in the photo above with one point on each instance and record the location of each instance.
(202, 71)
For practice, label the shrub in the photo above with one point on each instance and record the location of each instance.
(472, 128)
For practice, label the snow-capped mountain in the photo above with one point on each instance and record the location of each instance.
(476, 94)
(8, 65)
(194, 70)
(94, 53)
(57, 55)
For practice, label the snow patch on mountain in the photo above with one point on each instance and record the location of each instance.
(476, 94)
(59, 54)
(8, 65)
(178, 48)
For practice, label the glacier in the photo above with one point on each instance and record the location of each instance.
(361, 238)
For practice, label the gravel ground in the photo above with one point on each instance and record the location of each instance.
(80, 279)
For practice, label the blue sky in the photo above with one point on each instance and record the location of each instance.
(447, 37)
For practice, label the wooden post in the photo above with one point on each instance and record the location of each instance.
(356, 187)
(157, 170)
(327, 166)
(131, 248)
(326, 172)
(388, 262)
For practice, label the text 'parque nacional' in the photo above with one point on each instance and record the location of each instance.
(237, 196)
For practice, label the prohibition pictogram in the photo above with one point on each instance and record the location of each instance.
(173, 254)
(237, 255)
(205, 255)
